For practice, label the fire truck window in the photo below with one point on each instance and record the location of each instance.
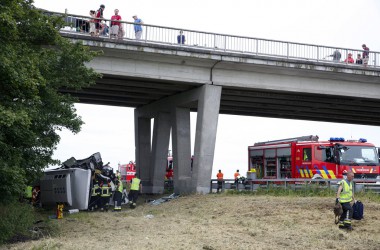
(324, 154)
(307, 154)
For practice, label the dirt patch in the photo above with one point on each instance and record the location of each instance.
(216, 222)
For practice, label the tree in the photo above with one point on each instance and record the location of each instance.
(35, 63)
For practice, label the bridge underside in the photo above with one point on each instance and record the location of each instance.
(137, 92)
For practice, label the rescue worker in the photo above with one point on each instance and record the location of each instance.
(118, 175)
(134, 190)
(105, 196)
(117, 195)
(36, 195)
(344, 174)
(28, 193)
(237, 176)
(344, 196)
(95, 193)
(219, 176)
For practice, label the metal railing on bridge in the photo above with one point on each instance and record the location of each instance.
(363, 185)
(221, 42)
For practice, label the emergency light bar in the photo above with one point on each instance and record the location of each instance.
(336, 139)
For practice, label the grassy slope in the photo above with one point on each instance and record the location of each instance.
(218, 222)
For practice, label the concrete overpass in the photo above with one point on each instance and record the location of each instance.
(166, 81)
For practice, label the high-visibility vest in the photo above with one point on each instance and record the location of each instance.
(28, 192)
(219, 176)
(135, 185)
(95, 190)
(120, 188)
(105, 192)
(346, 193)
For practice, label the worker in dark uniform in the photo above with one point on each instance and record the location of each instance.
(117, 196)
(219, 176)
(95, 195)
(134, 190)
(105, 196)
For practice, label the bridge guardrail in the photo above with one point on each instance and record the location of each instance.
(223, 42)
(295, 184)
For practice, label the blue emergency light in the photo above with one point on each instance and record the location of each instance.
(336, 139)
(362, 140)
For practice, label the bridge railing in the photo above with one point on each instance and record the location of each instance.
(363, 185)
(222, 42)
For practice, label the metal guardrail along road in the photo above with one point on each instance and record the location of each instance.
(294, 184)
(221, 42)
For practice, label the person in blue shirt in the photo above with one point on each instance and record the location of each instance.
(137, 26)
(181, 38)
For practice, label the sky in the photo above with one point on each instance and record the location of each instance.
(337, 23)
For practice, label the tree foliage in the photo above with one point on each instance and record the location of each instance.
(35, 63)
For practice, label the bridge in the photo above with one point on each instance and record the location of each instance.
(216, 74)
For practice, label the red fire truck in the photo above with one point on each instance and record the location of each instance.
(127, 171)
(307, 157)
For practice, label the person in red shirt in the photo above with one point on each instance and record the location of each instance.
(349, 59)
(116, 27)
(219, 176)
(99, 15)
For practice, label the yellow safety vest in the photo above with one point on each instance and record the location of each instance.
(135, 185)
(346, 194)
(105, 192)
(28, 192)
(95, 190)
(120, 189)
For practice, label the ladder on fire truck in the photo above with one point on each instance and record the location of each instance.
(294, 139)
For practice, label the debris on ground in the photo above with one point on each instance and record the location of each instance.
(164, 199)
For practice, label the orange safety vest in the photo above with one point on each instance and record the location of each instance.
(219, 176)
(236, 175)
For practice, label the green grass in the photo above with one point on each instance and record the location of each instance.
(306, 191)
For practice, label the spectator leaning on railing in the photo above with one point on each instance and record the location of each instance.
(365, 55)
(137, 26)
(349, 59)
(116, 26)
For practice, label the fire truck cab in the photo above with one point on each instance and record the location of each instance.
(307, 157)
(127, 171)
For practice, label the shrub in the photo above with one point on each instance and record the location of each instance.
(16, 220)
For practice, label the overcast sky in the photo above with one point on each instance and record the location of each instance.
(340, 23)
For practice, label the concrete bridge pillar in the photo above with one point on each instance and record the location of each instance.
(181, 150)
(174, 111)
(160, 145)
(205, 137)
(143, 147)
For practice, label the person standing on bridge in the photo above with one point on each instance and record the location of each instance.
(344, 196)
(359, 59)
(181, 38)
(365, 55)
(349, 59)
(219, 176)
(336, 56)
(116, 26)
(137, 26)
(99, 16)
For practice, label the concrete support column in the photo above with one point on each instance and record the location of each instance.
(143, 147)
(181, 150)
(205, 137)
(160, 146)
